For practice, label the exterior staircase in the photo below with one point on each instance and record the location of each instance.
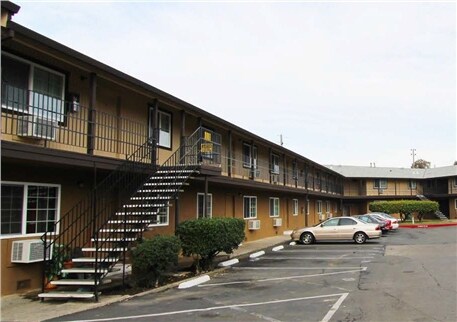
(437, 213)
(100, 229)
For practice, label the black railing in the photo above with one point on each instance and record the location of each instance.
(103, 218)
(33, 115)
(76, 228)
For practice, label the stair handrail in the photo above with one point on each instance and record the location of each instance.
(72, 230)
(182, 164)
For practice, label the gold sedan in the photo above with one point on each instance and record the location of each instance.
(339, 228)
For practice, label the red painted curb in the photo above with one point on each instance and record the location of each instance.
(427, 226)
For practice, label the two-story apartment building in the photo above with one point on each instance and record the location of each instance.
(365, 184)
(94, 157)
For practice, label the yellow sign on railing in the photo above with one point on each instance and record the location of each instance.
(207, 148)
(207, 136)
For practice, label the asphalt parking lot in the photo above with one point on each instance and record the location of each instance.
(387, 279)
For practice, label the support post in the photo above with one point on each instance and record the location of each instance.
(91, 117)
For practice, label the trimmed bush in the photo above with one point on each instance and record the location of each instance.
(154, 257)
(204, 238)
(405, 208)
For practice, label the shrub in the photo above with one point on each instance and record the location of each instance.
(152, 258)
(204, 238)
(405, 208)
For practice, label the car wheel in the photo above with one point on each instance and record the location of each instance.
(307, 238)
(360, 237)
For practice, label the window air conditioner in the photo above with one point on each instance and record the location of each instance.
(254, 224)
(28, 251)
(36, 127)
(277, 222)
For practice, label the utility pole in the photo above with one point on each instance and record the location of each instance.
(413, 153)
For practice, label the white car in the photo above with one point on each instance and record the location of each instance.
(339, 228)
(394, 221)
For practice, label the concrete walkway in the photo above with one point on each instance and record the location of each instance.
(26, 308)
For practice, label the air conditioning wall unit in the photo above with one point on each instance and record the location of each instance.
(36, 127)
(254, 224)
(28, 251)
(277, 222)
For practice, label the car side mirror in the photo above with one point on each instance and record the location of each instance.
(322, 225)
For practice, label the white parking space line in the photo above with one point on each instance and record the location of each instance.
(314, 258)
(332, 310)
(296, 268)
(331, 251)
(360, 269)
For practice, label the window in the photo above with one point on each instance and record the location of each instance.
(162, 217)
(327, 207)
(274, 207)
(455, 203)
(274, 167)
(347, 222)
(380, 183)
(307, 206)
(331, 222)
(200, 205)
(319, 206)
(294, 171)
(250, 207)
(295, 207)
(455, 181)
(29, 208)
(412, 184)
(249, 156)
(164, 129)
(33, 89)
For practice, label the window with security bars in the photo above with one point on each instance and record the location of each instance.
(28, 208)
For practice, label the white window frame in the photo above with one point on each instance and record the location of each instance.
(276, 209)
(380, 184)
(24, 207)
(164, 215)
(328, 209)
(412, 184)
(252, 210)
(307, 207)
(274, 168)
(29, 109)
(295, 207)
(209, 205)
(162, 137)
(319, 206)
(455, 203)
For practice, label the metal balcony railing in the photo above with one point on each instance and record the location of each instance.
(65, 124)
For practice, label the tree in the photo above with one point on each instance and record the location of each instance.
(421, 164)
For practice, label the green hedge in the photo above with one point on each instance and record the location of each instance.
(205, 238)
(152, 258)
(405, 208)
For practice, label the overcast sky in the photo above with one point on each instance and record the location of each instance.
(343, 82)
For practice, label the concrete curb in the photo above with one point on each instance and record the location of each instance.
(229, 262)
(194, 282)
(257, 254)
(428, 226)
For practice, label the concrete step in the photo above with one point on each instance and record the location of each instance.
(159, 190)
(152, 205)
(66, 294)
(113, 239)
(92, 260)
(121, 230)
(84, 270)
(137, 213)
(82, 282)
(104, 249)
(164, 184)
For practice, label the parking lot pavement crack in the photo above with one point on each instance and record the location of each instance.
(403, 303)
(431, 276)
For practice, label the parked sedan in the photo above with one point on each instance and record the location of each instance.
(374, 220)
(340, 228)
(393, 220)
